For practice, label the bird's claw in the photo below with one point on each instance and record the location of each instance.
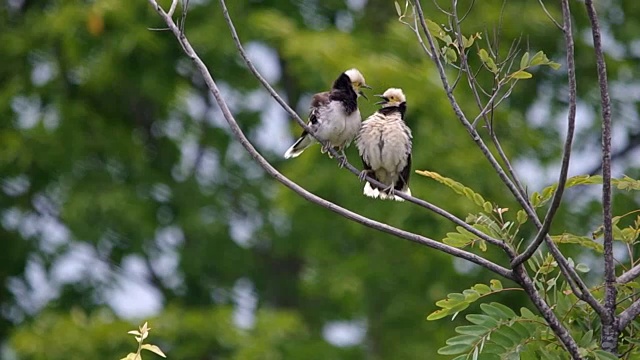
(342, 160)
(363, 175)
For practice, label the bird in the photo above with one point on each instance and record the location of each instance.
(384, 143)
(334, 116)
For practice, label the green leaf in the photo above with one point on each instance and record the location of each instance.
(526, 313)
(494, 312)
(586, 339)
(509, 313)
(538, 58)
(438, 314)
(482, 288)
(580, 240)
(398, 9)
(454, 349)
(554, 65)
(521, 75)
(462, 339)
(496, 285)
(449, 55)
(488, 61)
(476, 330)
(484, 320)
(583, 268)
(524, 61)
(457, 187)
(601, 354)
(626, 183)
(502, 340)
(521, 217)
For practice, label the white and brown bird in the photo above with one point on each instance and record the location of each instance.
(384, 144)
(334, 115)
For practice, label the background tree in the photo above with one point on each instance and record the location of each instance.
(117, 159)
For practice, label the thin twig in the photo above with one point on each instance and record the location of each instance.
(610, 332)
(172, 9)
(544, 8)
(566, 156)
(237, 131)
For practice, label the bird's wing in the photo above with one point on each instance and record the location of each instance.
(403, 180)
(317, 101)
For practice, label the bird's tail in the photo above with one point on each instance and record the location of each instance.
(370, 191)
(299, 146)
(375, 193)
(385, 196)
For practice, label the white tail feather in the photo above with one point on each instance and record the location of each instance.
(375, 193)
(398, 198)
(298, 147)
(370, 191)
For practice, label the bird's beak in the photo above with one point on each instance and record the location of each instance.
(366, 86)
(363, 95)
(384, 100)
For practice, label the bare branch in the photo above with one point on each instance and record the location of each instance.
(550, 17)
(627, 316)
(571, 122)
(172, 9)
(559, 330)
(610, 330)
(189, 51)
(630, 275)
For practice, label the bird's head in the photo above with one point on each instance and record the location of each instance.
(392, 97)
(357, 81)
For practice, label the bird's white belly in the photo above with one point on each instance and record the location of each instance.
(338, 128)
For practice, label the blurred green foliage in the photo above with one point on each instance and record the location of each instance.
(111, 144)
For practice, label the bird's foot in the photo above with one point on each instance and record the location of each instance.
(325, 147)
(363, 174)
(390, 191)
(342, 160)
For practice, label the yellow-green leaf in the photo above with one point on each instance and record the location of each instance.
(521, 74)
(524, 61)
(438, 314)
(496, 285)
(154, 349)
(398, 9)
(521, 217)
(538, 58)
(449, 54)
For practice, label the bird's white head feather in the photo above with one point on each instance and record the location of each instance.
(357, 80)
(392, 97)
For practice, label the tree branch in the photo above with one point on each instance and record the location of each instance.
(571, 121)
(524, 279)
(610, 330)
(560, 331)
(564, 267)
(630, 275)
(189, 51)
(627, 316)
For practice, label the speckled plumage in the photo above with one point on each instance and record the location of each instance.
(384, 144)
(333, 115)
